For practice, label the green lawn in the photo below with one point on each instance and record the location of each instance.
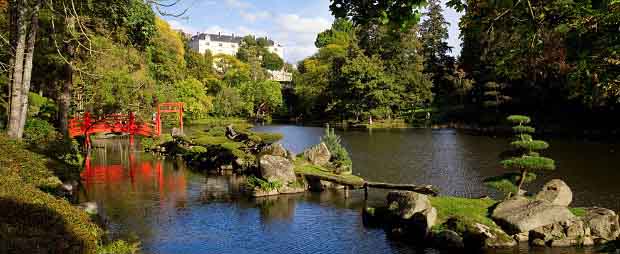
(475, 210)
(302, 167)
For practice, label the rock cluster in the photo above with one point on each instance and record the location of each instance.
(276, 165)
(546, 219)
(318, 155)
(407, 214)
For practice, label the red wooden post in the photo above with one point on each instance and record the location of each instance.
(86, 129)
(158, 120)
(131, 128)
(180, 108)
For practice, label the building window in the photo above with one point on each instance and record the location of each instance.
(221, 44)
(208, 44)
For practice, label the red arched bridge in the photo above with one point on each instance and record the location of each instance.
(87, 124)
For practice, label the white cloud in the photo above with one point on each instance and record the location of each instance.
(178, 25)
(295, 23)
(294, 54)
(238, 4)
(298, 33)
(252, 17)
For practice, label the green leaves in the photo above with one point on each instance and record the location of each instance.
(530, 145)
(401, 14)
(519, 119)
(528, 163)
(507, 183)
(523, 129)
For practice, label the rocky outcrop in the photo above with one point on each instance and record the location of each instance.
(561, 234)
(275, 150)
(519, 214)
(318, 155)
(276, 168)
(603, 223)
(557, 192)
(407, 215)
(405, 204)
(479, 236)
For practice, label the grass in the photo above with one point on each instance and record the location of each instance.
(31, 167)
(302, 167)
(384, 124)
(253, 182)
(238, 123)
(475, 210)
(119, 247)
(578, 211)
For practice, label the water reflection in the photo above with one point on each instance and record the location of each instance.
(457, 163)
(172, 209)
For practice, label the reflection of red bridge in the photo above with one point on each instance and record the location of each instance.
(86, 124)
(138, 174)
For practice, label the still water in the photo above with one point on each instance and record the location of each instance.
(172, 209)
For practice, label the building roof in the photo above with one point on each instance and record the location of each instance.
(224, 38)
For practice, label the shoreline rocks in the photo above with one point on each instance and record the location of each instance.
(318, 155)
(520, 214)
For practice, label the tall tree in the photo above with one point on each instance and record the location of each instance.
(23, 25)
(434, 36)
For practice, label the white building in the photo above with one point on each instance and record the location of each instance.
(226, 44)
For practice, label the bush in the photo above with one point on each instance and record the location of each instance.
(340, 157)
(29, 166)
(253, 182)
(39, 132)
(32, 221)
(119, 247)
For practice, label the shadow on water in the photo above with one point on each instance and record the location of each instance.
(175, 210)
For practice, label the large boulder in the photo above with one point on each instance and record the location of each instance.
(519, 214)
(479, 236)
(603, 223)
(276, 150)
(405, 204)
(557, 192)
(318, 155)
(448, 241)
(276, 168)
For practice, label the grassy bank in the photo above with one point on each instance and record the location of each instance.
(32, 218)
(305, 168)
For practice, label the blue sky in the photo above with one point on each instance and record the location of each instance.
(293, 23)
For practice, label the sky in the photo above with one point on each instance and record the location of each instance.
(292, 23)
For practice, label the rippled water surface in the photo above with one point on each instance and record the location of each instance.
(172, 209)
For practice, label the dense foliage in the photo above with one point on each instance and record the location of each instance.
(362, 73)
(560, 59)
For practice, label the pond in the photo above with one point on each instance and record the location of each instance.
(172, 209)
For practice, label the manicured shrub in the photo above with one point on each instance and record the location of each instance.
(525, 159)
(32, 221)
(29, 166)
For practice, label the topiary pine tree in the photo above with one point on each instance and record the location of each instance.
(529, 159)
(524, 159)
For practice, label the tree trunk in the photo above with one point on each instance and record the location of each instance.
(521, 181)
(18, 70)
(32, 35)
(64, 101)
